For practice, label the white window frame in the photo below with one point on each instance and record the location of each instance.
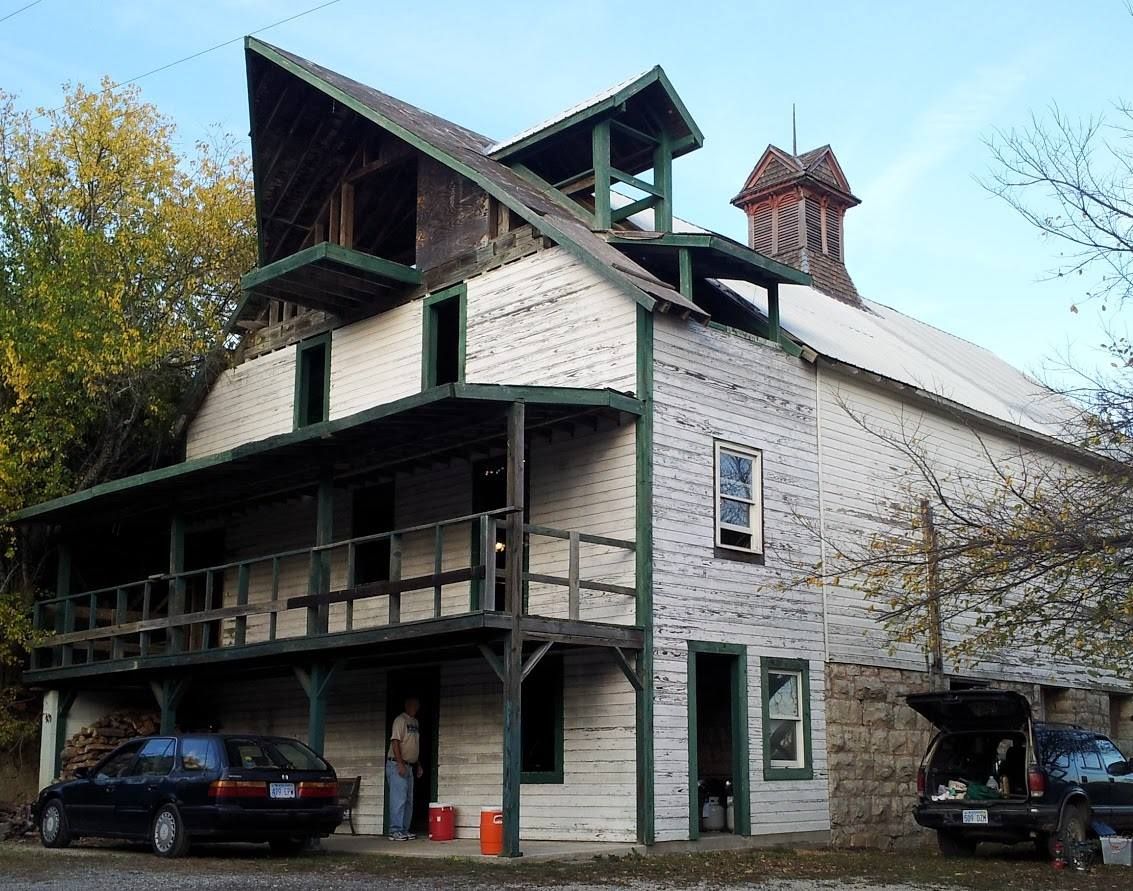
(755, 528)
(800, 732)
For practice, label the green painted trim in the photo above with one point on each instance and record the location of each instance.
(555, 776)
(600, 146)
(541, 222)
(302, 384)
(533, 395)
(637, 183)
(684, 263)
(257, 197)
(429, 333)
(695, 138)
(732, 249)
(774, 329)
(741, 746)
(623, 213)
(577, 210)
(333, 253)
(643, 573)
(806, 772)
(663, 177)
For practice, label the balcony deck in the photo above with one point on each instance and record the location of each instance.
(144, 625)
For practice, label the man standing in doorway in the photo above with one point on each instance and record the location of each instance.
(402, 768)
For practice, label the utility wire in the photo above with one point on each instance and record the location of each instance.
(21, 9)
(198, 54)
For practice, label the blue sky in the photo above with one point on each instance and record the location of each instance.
(906, 92)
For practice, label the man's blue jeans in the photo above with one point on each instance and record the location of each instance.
(400, 797)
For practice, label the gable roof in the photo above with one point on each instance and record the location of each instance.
(618, 94)
(463, 151)
(776, 167)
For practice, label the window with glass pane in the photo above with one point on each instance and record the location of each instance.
(739, 484)
(784, 718)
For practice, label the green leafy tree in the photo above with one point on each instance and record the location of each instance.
(120, 260)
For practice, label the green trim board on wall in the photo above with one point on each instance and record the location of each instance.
(643, 576)
(303, 379)
(806, 771)
(430, 328)
(741, 749)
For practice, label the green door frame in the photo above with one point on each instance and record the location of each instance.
(741, 749)
(434, 760)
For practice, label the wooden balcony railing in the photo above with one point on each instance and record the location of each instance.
(246, 601)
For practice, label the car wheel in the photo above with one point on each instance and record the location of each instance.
(287, 847)
(953, 844)
(168, 834)
(1073, 829)
(54, 832)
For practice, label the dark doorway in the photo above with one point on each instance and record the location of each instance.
(424, 683)
(372, 512)
(204, 548)
(718, 735)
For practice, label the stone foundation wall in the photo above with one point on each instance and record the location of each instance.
(875, 743)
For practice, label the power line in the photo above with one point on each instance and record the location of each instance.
(198, 54)
(21, 9)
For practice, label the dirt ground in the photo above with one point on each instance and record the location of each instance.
(124, 868)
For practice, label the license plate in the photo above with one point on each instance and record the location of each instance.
(975, 816)
(287, 790)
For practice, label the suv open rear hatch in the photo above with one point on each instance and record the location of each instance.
(959, 710)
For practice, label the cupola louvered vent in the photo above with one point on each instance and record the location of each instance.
(813, 225)
(761, 229)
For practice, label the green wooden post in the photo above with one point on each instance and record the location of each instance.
(513, 649)
(600, 145)
(318, 617)
(643, 577)
(773, 330)
(169, 693)
(65, 611)
(66, 700)
(684, 262)
(663, 181)
(177, 634)
(316, 682)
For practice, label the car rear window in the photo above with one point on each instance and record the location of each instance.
(272, 754)
(198, 754)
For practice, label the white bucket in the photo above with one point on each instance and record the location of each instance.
(1117, 850)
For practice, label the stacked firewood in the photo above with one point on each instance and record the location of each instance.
(87, 747)
(15, 821)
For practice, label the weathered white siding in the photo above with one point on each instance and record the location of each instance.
(596, 800)
(376, 360)
(709, 385)
(868, 487)
(549, 320)
(254, 400)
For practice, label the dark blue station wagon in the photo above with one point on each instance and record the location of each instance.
(171, 790)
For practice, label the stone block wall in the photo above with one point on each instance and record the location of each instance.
(875, 743)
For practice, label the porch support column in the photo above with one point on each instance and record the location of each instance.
(316, 682)
(64, 612)
(318, 617)
(663, 180)
(177, 583)
(600, 146)
(513, 647)
(169, 693)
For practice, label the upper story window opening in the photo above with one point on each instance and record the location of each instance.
(739, 498)
(312, 380)
(444, 323)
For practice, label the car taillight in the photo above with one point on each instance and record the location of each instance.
(238, 789)
(1036, 782)
(318, 790)
(921, 781)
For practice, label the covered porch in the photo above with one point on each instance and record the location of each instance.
(487, 588)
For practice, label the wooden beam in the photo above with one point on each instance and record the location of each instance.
(684, 261)
(493, 660)
(66, 700)
(535, 658)
(318, 613)
(169, 693)
(638, 206)
(600, 146)
(628, 670)
(774, 331)
(315, 682)
(663, 179)
(346, 216)
(513, 652)
(177, 636)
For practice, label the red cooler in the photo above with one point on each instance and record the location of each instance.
(442, 822)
